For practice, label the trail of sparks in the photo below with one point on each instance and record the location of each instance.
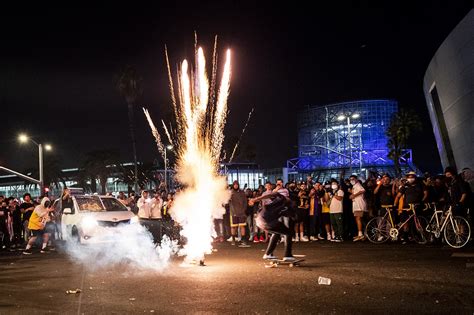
(198, 142)
(167, 132)
(241, 135)
(155, 133)
(221, 111)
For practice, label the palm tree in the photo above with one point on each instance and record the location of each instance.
(402, 125)
(99, 164)
(146, 175)
(129, 84)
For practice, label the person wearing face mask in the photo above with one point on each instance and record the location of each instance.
(359, 206)
(414, 194)
(325, 212)
(336, 196)
(458, 191)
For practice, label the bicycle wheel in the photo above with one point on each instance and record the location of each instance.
(377, 230)
(418, 229)
(457, 232)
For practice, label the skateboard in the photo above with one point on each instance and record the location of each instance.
(273, 263)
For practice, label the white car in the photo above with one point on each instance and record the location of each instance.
(91, 217)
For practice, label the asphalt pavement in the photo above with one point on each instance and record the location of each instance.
(365, 278)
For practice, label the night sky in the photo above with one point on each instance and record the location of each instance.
(57, 69)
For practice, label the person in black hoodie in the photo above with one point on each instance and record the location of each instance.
(276, 218)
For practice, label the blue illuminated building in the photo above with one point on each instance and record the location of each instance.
(348, 137)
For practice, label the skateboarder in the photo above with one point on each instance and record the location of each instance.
(276, 218)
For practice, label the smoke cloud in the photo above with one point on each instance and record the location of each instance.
(128, 245)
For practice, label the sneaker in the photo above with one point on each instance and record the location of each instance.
(291, 258)
(256, 239)
(262, 239)
(313, 239)
(27, 252)
(320, 237)
(337, 240)
(297, 239)
(44, 250)
(229, 239)
(358, 238)
(251, 239)
(269, 257)
(304, 239)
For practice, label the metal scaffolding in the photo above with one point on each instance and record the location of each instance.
(348, 135)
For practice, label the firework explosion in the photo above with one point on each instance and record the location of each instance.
(199, 136)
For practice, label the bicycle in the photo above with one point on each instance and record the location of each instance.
(455, 229)
(382, 228)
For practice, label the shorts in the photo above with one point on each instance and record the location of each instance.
(325, 218)
(301, 215)
(238, 220)
(37, 232)
(358, 214)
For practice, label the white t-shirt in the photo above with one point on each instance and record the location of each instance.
(358, 203)
(336, 205)
(144, 207)
(283, 191)
(155, 208)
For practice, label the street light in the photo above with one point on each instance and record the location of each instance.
(168, 147)
(23, 138)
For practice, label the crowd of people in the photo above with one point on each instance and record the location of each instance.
(335, 210)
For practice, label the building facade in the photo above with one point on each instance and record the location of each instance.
(449, 91)
(344, 137)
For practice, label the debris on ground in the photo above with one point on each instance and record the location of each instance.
(77, 291)
(132, 299)
(324, 281)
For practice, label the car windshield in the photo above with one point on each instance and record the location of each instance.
(112, 204)
(89, 203)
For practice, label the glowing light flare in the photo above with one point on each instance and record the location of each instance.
(203, 83)
(221, 109)
(198, 145)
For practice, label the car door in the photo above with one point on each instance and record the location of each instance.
(68, 220)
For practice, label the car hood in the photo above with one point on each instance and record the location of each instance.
(112, 216)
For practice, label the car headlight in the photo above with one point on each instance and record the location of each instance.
(134, 220)
(89, 223)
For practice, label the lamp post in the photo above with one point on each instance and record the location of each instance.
(349, 140)
(168, 147)
(23, 139)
